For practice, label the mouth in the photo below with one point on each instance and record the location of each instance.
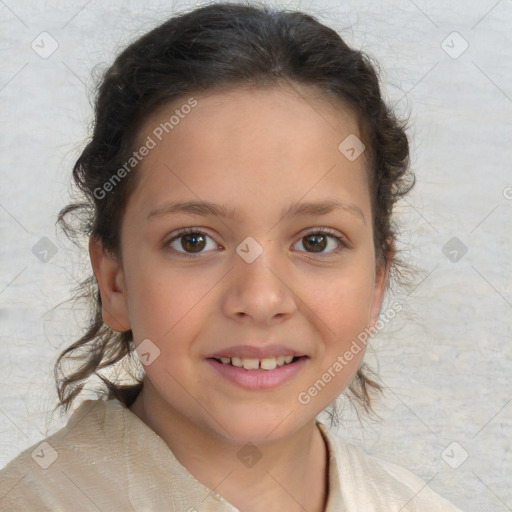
(266, 364)
(254, 374)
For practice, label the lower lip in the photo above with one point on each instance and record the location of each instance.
(255, 380)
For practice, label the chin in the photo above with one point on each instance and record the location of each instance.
(262, 424)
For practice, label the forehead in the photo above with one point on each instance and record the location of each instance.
(314, 100)
(252, 145)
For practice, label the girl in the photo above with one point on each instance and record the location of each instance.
(238, 192)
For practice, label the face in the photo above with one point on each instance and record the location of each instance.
(277, 262)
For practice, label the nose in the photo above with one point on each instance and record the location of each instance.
(259, 291)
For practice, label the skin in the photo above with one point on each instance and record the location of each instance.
(258, 152)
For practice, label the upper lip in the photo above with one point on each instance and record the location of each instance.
(256, 352)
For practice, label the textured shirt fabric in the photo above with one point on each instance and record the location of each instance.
(106, 459)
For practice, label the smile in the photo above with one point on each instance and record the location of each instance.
(257, 374)
(269, 363)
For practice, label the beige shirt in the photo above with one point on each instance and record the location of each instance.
(106, 459)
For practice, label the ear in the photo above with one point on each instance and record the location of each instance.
(109, 274)
(381, 282)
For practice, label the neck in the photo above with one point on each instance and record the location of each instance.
(289, 474)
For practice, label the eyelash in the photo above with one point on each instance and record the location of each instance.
(320, 231)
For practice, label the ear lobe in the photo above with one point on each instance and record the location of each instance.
(381, 282)
(109, 275)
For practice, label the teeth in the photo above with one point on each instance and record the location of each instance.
(270, 363)
(251, 364)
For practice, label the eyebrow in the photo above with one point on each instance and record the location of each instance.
(206, 208)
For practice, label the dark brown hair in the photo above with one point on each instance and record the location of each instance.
(207, 49)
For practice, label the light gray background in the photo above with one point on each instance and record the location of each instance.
(445, 360)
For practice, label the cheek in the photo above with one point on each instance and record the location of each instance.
(343, 305)
(165, 303)
(343, 314)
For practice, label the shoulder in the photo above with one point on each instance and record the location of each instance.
(380, 485)
(41, 477)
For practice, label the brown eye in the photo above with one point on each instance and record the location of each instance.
(315, 242)
(319, 241)
(191, 242)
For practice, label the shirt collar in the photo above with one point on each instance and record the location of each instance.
(146, 454)
(334, 498)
